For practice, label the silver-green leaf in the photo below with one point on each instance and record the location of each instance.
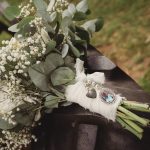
(36, 73)
(45, 36)
(65, 50)
(40, 5)
(51, 101)
(51, 5)
(5, 125)
(62, 75)
(72, 9)
(14, 28)
(82, 6)
(11, 12)
(53, 61)
(75, 51)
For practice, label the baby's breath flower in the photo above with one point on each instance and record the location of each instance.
(17, 140)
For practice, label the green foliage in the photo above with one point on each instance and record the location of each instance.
(23, 25)
(50, 46)
(82, 6)
(14, 28)
(26, 114)
(75, 51)
(5, 125)
(11, 12)
(65, 50)
(62, 75)
(53, 61)
(38, 77)
(93, 25)
(51, 101)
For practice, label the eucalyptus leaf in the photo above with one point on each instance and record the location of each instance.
(83, 34)
(81, 42)
(69, 61)
(5, 125)
(99, 24)
(25, 22)
(37, 115)
(51, 101)
(62, 75)
(45, 36)
(25, 117)
(65, 50)
(44, 15)
(93, 25)
(56, 92)
(53, 61)
(79, 16)
(82, 6)
(40, 5)
(72, 9)
(53, 16)
(66, 13)
(75, 51)
(51, 5)
(14, 28)
(36, 73)
(50, 46)
(11, 12)
(90, 26)
(67, 103)
(66, 22)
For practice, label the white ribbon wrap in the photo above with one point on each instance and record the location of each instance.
(77, 93)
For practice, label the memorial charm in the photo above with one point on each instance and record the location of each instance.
(41, 70)
(107, 96)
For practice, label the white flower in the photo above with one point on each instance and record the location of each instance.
(6, 103)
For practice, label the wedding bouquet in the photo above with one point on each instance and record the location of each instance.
(40, 69)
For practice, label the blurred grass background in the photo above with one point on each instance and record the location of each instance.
(125, 37)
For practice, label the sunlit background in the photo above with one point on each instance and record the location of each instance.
(125, 37)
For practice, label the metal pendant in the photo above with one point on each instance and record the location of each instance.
(107, 96)
(91, 93)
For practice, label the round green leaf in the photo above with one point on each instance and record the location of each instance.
(5, 125)
(50, 46)
(25, 22)
(82, 6)
(11, 12)
(65, 50)
(51, 101)
(79, 16)
(13, 28)
(53, 61)
(51, 5)
(75, 51)
(36, 73)
(62, 75)
(45, 36)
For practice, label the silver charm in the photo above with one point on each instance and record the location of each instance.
(91, 93)
(107, 96)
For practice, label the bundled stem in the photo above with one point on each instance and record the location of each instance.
(129, 120)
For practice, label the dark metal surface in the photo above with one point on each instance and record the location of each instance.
(74, 128)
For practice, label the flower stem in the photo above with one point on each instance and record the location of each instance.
(123, 116)
(134, 116)
(133, 125)
(127, 127)
(135, 104)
